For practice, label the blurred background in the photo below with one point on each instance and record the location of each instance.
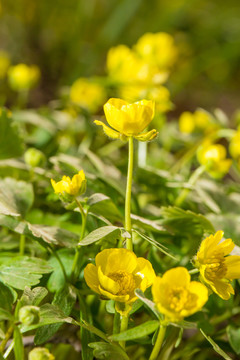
(68, 39)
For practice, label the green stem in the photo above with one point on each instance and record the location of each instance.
(7, 337)
(22, 245)
(74, 271)
(61, 264)
(123, 327)
(116, 323)
(158, 343)
(193, 271)
(128, 225)
(182, 196)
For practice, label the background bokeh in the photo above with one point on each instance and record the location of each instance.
(68, 39)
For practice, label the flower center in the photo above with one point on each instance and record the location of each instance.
(215, 268)
(125, 281)
(180, 298)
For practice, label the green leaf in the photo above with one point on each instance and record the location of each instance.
(234, 338)
(65, 300)
(7, 297)
(5, 315)
(136, 332)
(150, 304)
(34, 296)
(155, 243)
(146, 224)
(215, 346)
(104, 351)
(16, 197)
(54, 235)
(183, 222)
(57, 280)
(18, 344)
(10, 142)
(101, 204)
(23, 271)
(105, 232)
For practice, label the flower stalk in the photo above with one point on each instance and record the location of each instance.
(128, 225)
(158, 343)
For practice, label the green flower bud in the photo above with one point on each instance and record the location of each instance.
(34, 157)
(40, 354)
(29, 315)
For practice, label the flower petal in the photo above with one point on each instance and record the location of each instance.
(107, 283)
(233, 266)
(222, 288)
(108, 131)
(145, 271)
(112, 260)
(121, 298)
(91, 277)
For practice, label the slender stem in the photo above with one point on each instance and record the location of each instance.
(158, 343)
(128, 225)
(123, 327)
(7, 337)
(74, 274)
(22, 245)
(193, 271)
(116, 323)
(182, 196)
(61, 264)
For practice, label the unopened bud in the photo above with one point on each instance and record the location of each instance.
(40, 354)
(29, 315)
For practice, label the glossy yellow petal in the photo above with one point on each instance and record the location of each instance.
(201, 292)
(108, 131)
(222, 288)
(186, 122)
(91, 277)
(178, 276)
(107, 283)
(226, 246)
(112, 260)
(145, 271)
(233, 267)
(120, 298)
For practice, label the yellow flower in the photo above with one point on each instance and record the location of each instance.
(157, 49)
(234, 147)
(118, 272)
(75, 186)
(4, 63)
(199, 120)
(23, 77)
(216, 268)
(128, 119)
(87, 94)
(176, 296)
(213, 157)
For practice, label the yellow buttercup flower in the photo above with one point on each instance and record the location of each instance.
(157, 48)
(200, 120)
(75, 186)
(213, 157)
(217, 269)
(234, 146)
(23, 77)
(128, 119)
(87, 94)
(176, 296)
(118, 273)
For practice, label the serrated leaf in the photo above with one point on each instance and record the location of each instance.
(34, 296)
(23, 271)
(11, 144)
(215, 346)
(185, 222)
(16, 197)
(105, 351)
(64, 299)
(105, 232)
(234, 338)
(147, 224)
(54, 235)
(137, 332)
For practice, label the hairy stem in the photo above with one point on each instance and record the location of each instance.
(128, 225)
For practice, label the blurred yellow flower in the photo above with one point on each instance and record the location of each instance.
(216, 268)
(23, 77)
(157, 49)
(128, 119)
(176, 296)
(87, 94)
(199, 120)
(213, 157)
(75, 186)
(118, 273)
(4, 63)
(234, 147)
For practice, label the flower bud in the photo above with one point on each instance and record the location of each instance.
(34, 157)
(29, 315)
(40, 354)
